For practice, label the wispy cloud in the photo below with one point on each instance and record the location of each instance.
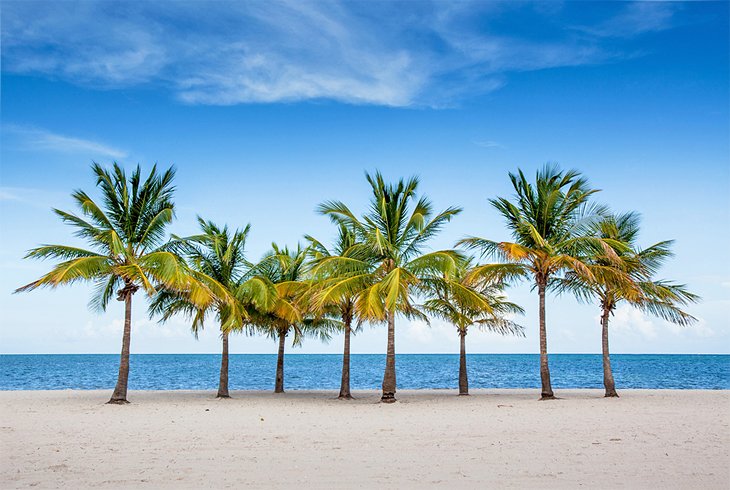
(39, 139)
(628, 321)
(488, 144)
(27, 196)
(259, 52)
(636, 18)
(7, 195)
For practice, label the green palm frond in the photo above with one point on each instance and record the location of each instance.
(382, 266)
(215, 279)
(472, 295)
(71, 271)
(663, 299)
(624, 272)
(60, 252)
(129, 222)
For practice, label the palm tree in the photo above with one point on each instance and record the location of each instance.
(656, 297)
(291, 312)
(393, 234)
(125, 235)
(465, 299)
(548, 221)
(219, 255)
(345, 246)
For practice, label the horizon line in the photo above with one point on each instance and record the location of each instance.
(364, 353)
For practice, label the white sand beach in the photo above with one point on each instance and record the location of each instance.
(501, 438)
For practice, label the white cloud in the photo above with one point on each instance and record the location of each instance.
(636, 18)
(422, 333)
(488, 144)
(110, 331)
(43, 140)
(628, 321)
(6, 195)
(260, 52)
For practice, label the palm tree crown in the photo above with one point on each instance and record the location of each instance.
(660, 298)
(124, 235)
(464, 298)
(217, 257)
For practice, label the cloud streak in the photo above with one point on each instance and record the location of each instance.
(488, 144)
(220, 53)
(40, 139)
(636, 19)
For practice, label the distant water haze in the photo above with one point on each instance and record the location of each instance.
(322, 371)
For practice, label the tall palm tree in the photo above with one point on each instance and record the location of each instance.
(463, 299)
(656, 297)
(394, 233)
(291, 312)
(548, 223)
(219, 254)
(326, 273)
(125, 235)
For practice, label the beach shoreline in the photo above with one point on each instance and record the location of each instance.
(498, 438)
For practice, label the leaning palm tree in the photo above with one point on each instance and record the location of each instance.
(126, 253)
(463, 299)
(219, 255)
(325, 274)
(387, 275)
(548, 221)
(656, 297)
(291, 312)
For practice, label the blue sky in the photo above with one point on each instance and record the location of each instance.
(268, 109)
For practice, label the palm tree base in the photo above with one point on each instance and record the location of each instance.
(223, 395)
(548, 397)
(388, 398)
(117, 401)
(345, 397)
(611, 395)
(464, 394)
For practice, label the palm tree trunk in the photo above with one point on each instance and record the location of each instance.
(608, 382)
(463, 379)
(389, 376)
(345, 383)
(120, 391)
(547, 390)
(279, 388)
(223, 383)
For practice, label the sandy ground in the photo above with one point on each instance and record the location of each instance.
(505, 438)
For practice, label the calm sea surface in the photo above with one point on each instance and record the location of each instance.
(320, 371)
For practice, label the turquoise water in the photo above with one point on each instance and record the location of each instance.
(322, 371)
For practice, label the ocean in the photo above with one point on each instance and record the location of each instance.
(322, 371)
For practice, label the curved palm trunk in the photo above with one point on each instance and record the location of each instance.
(279, 387)
(120, 390)
(389, 376)
(547, 389)
(223, 383)
(345, 383)
(608, 382)
(463, 379)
